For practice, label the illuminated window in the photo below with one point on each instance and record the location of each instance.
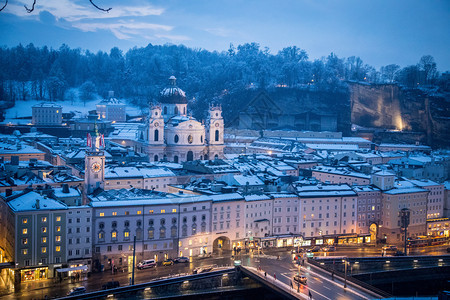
(102, 214)
(114, 213)
(58, 219)
(24, 251)
(127, 213)
(58, 238)
(139, 212)
(126, 234)
(174, 210)
(58, 228)
(24, 221)
(44, 240)
(190, 242)
(44, 219)
(44, 249)
(24, 241)
(373, 207)
(25, 231)
(44, 229)
(163, 211)
(114, 234)
(150, 211)
(101, 236)
(58, 248)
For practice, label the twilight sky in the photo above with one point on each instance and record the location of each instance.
(381, 32)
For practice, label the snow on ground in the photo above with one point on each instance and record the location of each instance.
(22, 109)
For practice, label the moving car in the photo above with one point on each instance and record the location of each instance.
(77, 291)
(167, 262)
(111, 285)
(300, 279)
(315, 249)
(390, 248)
(329, 248)
(181, 259)
(149, 263)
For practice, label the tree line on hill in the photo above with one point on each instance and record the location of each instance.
(30, 72)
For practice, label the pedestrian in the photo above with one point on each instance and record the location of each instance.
(332, 275)
(309, 294)
(274, 276)
(298, 287)
(290, 283)
(265, 274)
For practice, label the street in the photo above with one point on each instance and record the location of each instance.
(320, 286)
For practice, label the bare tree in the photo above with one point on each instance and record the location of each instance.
(29, 10)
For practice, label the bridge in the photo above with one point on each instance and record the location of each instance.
(234, 283)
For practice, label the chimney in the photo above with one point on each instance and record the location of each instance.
(38, 206)
(65, 188)
(8, 192)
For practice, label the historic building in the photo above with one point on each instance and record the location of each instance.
(170, 134)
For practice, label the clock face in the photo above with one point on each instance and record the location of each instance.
(156, 124)
(217, 124)
(96, 167)
(190, 139)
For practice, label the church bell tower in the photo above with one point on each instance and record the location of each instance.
(94, 172)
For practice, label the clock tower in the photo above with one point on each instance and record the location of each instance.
(94, 172)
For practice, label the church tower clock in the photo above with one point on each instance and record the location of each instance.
(94, 172)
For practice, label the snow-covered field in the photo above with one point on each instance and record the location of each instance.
(22, 109)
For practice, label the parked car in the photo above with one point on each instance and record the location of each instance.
(77, 291)
(300, 279)
(111, 285)
(329, 249)
(167, 262)
(149, 263)
(181, 259)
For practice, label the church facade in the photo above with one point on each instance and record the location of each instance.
(170, 134)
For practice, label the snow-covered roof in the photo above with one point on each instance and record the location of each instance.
(256, 197)
(339, 171)
(47, 104)
(136, 172)
(405, 191)
(332, 147)
(384, 173)
(28, 202)
(223, 197)
(58, 192)
(250, 179)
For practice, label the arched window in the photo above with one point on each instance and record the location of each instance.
(184, 230)
(201, 138)
(139, 234)
(216, 138)
(206, 157)
(114, 224)
(162, 233)
(176, 110)
(165, 110)
(184, 111)
(216, 156)
(203, 227)
(156, 135)
(175, 159)
(194, 229)
(151, 233)
(173, 231)
(156, 158)
(176, 138)
(127, 223)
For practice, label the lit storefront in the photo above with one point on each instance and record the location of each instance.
(34, 274)
(438, 227)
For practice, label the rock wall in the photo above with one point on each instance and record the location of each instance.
(389, 106)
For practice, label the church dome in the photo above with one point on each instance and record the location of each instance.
(173, 94)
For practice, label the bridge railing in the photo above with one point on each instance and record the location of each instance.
(355, 281)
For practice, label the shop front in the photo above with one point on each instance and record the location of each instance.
(34, 274)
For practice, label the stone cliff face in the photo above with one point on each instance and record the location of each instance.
(391, 107)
